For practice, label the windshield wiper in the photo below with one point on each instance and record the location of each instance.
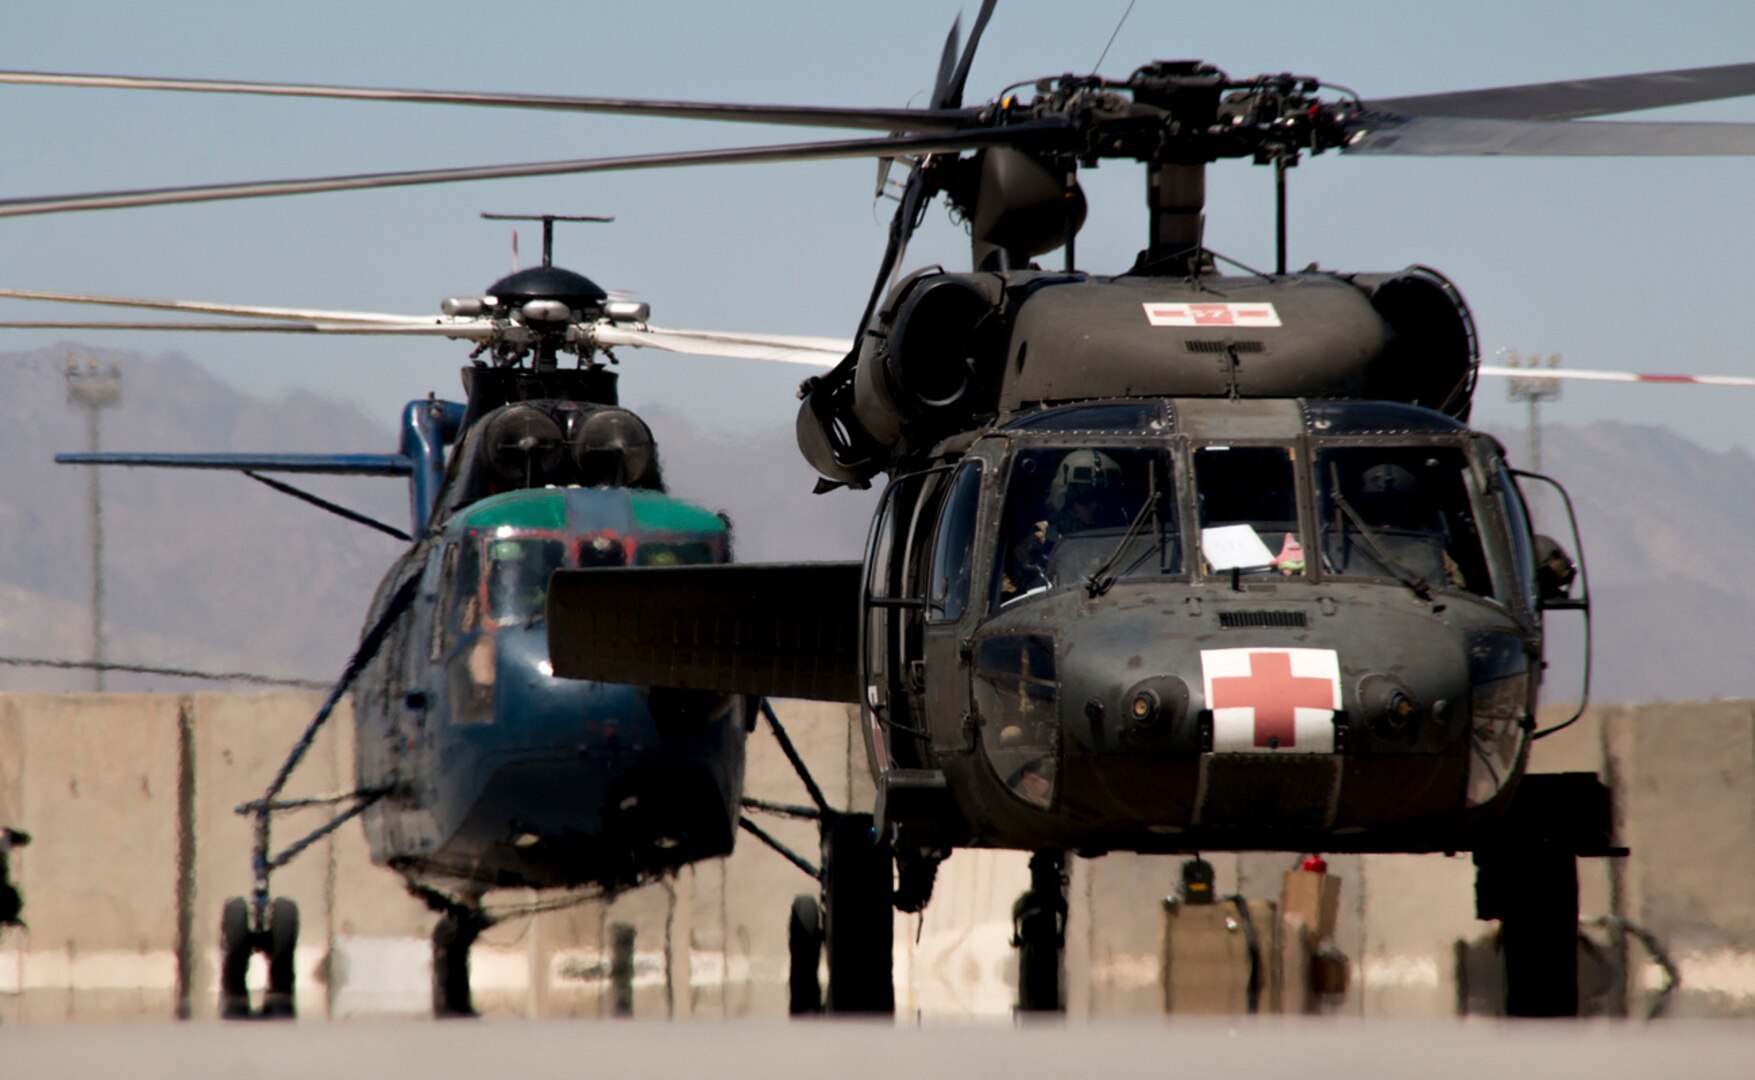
(1403, 573)
(1097, 584)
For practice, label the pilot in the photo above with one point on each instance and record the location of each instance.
(1404, 524)
(1086, 494)
(518, 585)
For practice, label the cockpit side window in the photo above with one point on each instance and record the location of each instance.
(952, 558)
(1523, 560)
(1402, 513)
(517, 576)
(444, 628)
(463, 612)
(1248, 506)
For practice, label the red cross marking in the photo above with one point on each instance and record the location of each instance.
(1274, 693)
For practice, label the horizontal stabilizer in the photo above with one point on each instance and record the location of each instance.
(336, 464)
(776, 629)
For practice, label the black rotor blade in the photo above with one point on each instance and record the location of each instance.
(947, 63)
(952, 95)
(801, 115)
(817, 151)
(1461, 135)
(1577, 98)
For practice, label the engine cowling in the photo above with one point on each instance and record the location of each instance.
(929, 366)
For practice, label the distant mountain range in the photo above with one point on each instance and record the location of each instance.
(212, 571)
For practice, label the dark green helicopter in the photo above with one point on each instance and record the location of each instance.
(1172, 560)
(1166, 561)
(478, 768)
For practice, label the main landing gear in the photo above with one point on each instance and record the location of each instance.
(1527, 878)
(1039, 934)
(245, 929)
(453, 935)
(268, 926)
(852, 924)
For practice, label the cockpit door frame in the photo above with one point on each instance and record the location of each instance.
(1580, 604)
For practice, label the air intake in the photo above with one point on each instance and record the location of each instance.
(1220, 347)
(1262, 620)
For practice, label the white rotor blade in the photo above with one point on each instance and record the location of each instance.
(469, 331)
(203, 307)
(1585, 375)
(816, 351)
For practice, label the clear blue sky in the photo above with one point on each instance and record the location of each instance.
(1613, 263)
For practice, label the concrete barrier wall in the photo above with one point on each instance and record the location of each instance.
(130, 797)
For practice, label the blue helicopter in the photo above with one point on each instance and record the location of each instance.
(478, 769)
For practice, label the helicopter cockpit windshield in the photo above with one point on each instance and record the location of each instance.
(1248, 503)
(1072, 512)
(517, 577)
(1400, 513)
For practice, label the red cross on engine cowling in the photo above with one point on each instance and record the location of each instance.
(1275, 694)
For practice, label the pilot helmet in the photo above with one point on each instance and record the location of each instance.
(1084, 473)
(1390, 497)
(1388, 480)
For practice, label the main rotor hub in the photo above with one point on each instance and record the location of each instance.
(578, 292)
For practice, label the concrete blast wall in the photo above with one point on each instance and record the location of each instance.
(129, 799)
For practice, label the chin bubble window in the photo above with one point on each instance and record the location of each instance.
(1017, 697)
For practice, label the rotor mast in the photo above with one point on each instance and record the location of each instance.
(1187, 92)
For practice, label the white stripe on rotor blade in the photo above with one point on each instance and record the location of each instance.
(1584, 375)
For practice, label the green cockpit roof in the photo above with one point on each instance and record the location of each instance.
(583, 509)
(652, 510)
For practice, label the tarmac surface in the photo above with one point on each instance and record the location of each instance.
(772, 1050)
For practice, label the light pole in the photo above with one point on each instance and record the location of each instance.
(1533, 389)
(95, 389)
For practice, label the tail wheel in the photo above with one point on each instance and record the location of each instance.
(858, 927)
(234, 963)
(804, 944)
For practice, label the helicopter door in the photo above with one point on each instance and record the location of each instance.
(887, 606)
(949, 585)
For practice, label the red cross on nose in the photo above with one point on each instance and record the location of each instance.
(1275, 694)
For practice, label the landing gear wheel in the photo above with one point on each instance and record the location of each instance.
(1533, 892)
(1540, 936)
(1039, 934)
(283, 941)
(858, 927)
(804, 944)
(452, 938)
(234, 959)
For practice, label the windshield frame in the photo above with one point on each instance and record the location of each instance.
(1171, 512)
(1485, 518)
(1295, 447)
